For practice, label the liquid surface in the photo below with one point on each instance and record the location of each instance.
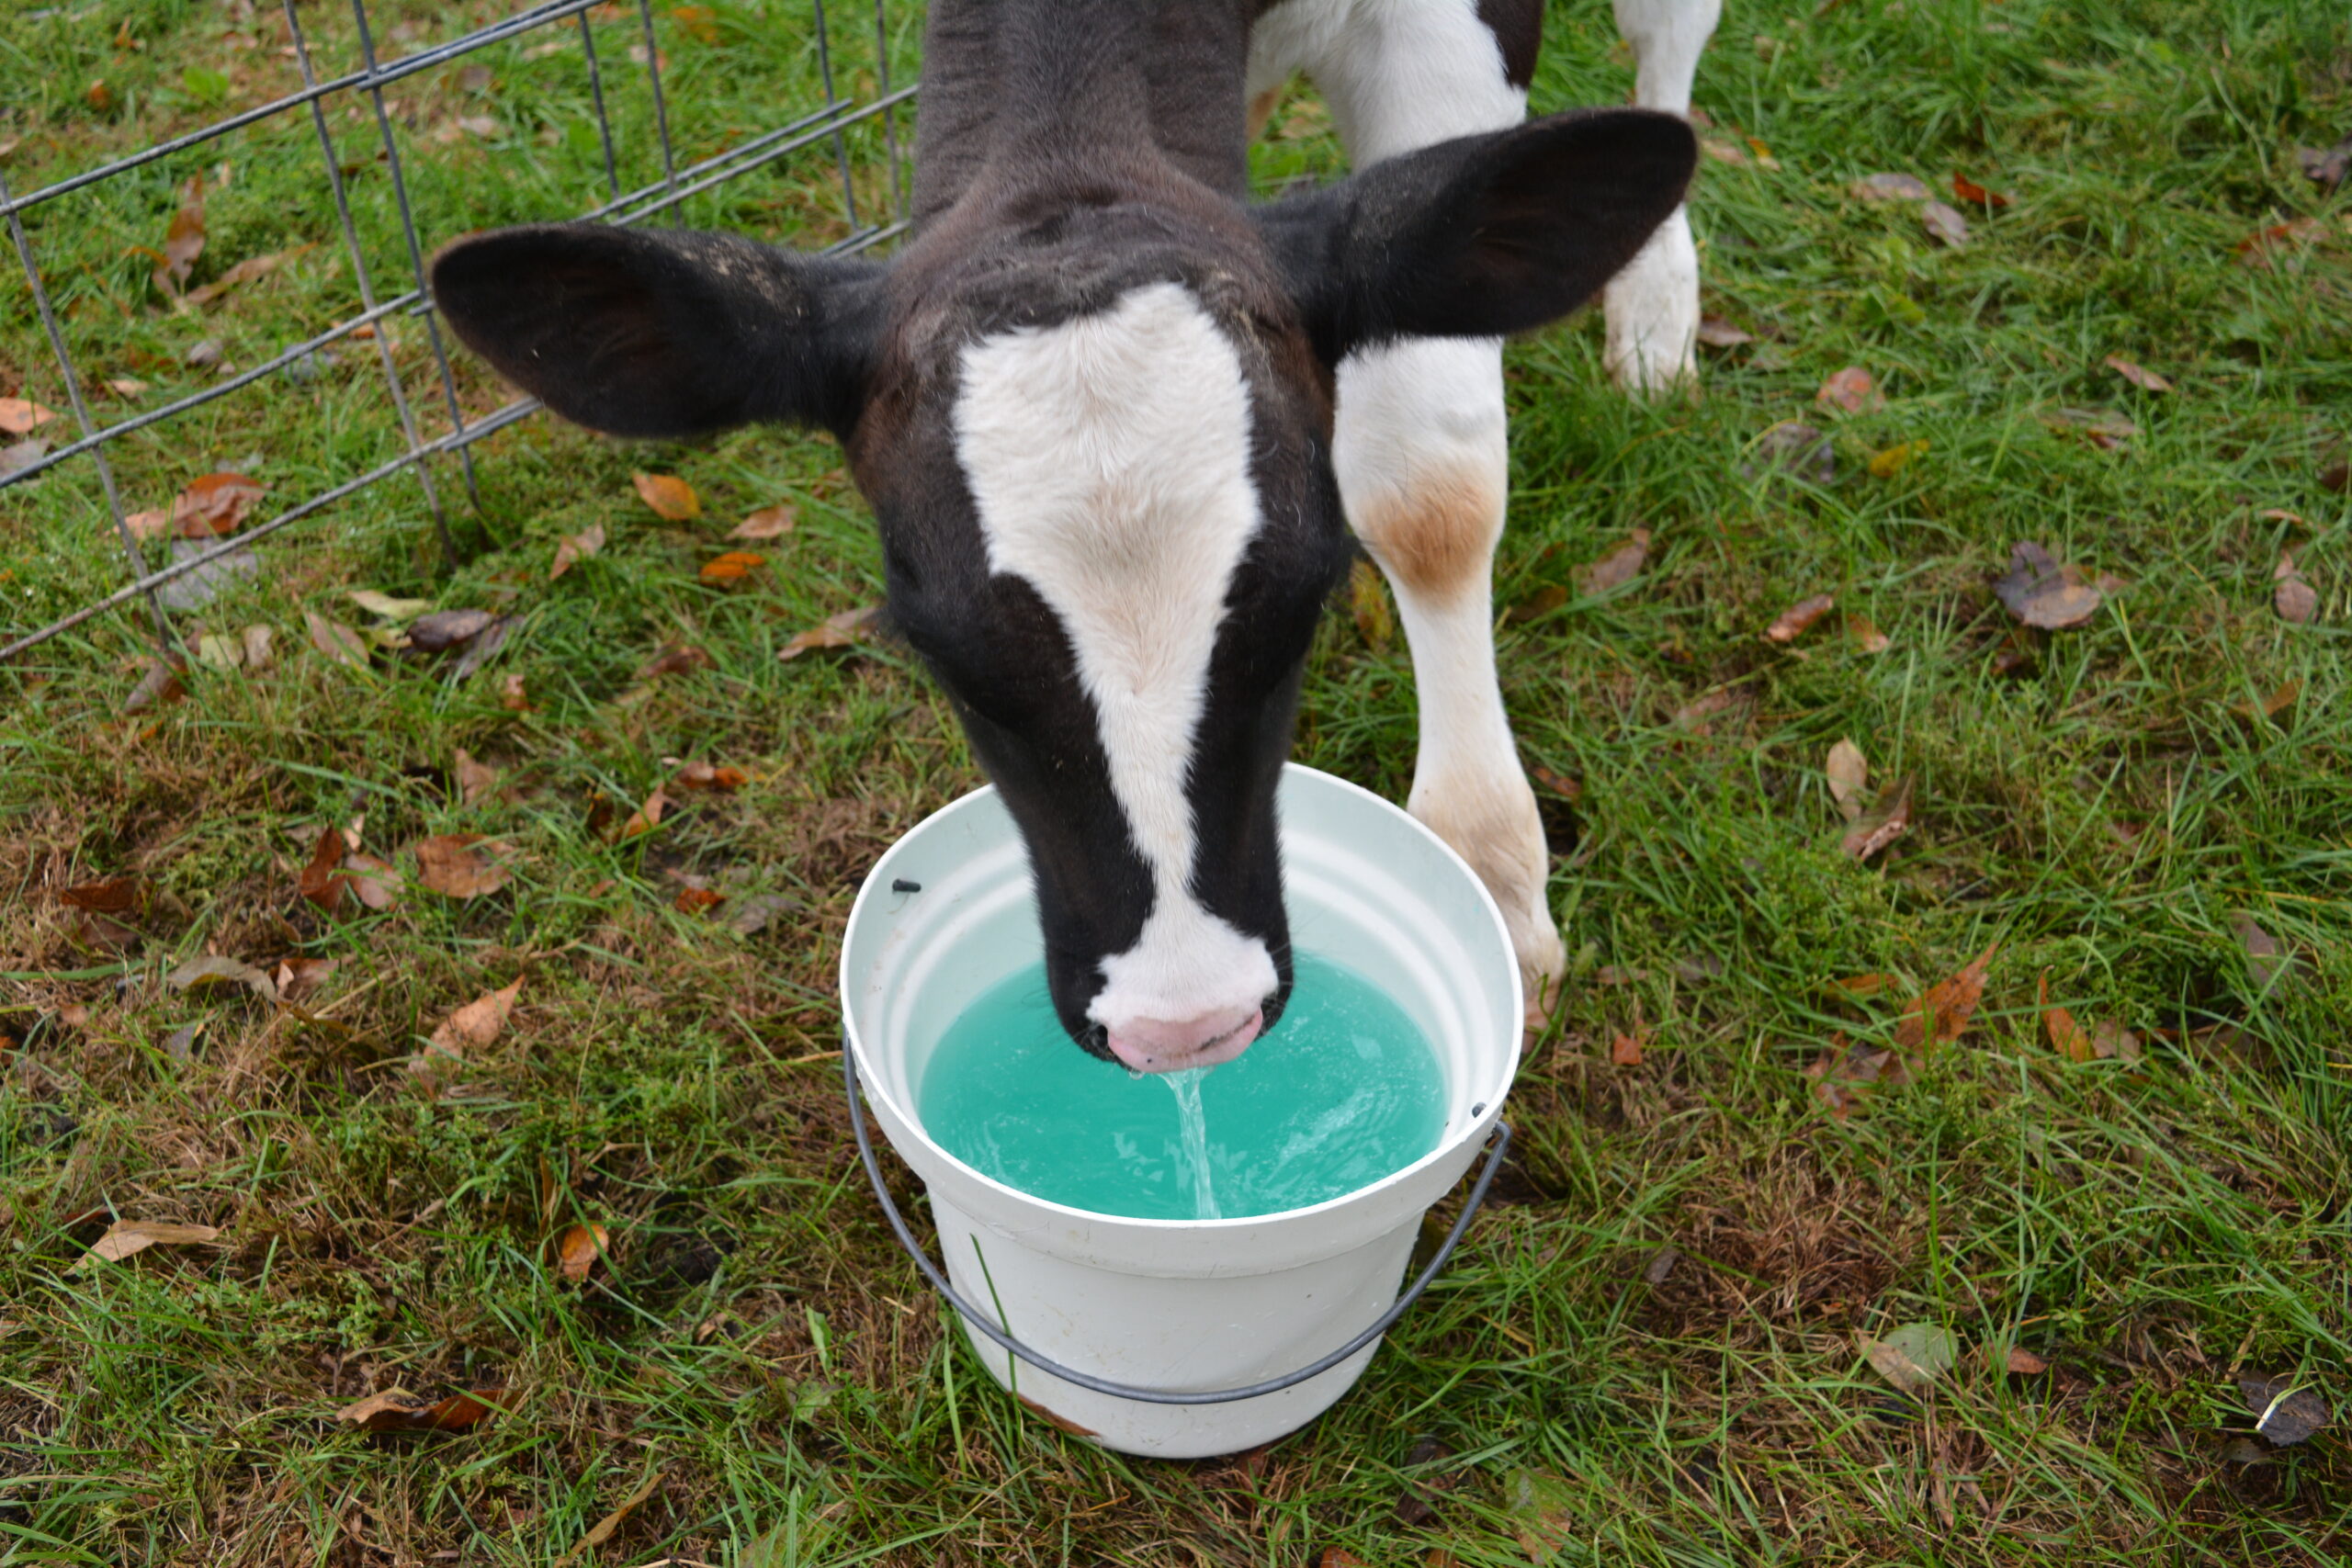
(1341, 1092)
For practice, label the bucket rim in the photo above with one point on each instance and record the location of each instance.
(1476, 1128)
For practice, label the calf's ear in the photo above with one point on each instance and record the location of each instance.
(663, 333)
(1481, 236)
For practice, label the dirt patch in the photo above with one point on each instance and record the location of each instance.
(1795, 1246)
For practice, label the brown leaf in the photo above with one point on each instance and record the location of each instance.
(1851, 389)
(1849, 773)
(2258, 248)
(2295, 599)
(477, 1024)
(697, 900)
(1717, 332)
(2265, 959)
(183, 241)
(767, 523)
(602, 1529)
(512, 695)
(751, 916)
(114, 896)
(2286, 1413)
(373, 883)
(1865, 985)
(242, 273)
(1965, 189)
(159, 686)
(21, 416)
(1625, 1050)
(1538, 604)
(147, 525)
(702, 775)
(2271, 706)
(2146, 380)
(1368, 604)
(1864, 635)
(646, 818)
(1943, 1009)
(1793, 621)
(1338, 1557)
(673, 499)
(732, 567)
(1944, 223)
(1888, 819)
(2023, 1363)
(321, 881)
(574, 547)
(1890, 187)
(337, 641)
(125, 1237)
(2041, 592)
(579, 1248)
(2068, 1037)
(212, 970)
(2336, 476)
(214, 505)
(298, 977)
(2111, 1042)
(844, 630)
(475, 779)
(675, 658)
(396, 1411)
(446, 630)
(461, 865)
(1616, 569)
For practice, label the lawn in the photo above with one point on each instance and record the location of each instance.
(1738, 1176)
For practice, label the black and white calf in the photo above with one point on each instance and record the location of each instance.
(1116, 425)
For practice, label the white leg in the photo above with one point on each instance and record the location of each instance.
(1652, 307)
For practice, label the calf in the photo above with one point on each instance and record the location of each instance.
(1116, 427)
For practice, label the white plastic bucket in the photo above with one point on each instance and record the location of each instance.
(1183, 1307)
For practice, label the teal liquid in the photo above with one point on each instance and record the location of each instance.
(1341, 1092)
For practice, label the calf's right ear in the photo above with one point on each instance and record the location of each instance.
(663, 333)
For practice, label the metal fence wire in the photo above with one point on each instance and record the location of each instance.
(620, 56)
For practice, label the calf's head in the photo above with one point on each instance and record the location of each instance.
(1093, 418)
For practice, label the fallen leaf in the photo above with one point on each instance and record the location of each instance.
(375, 883)
(2295, 599)
(147, 525)
(1338, 1557)
(2323, 166)
(1717, 332)
(218, 650)
(1914, 1356)
(2266, 960)
(1944, 223)
(198, 973)
(1792, 622)
(477, 1024)
(673, 499)
(1625, 1050)
(1965, 189)
(579, 1248)
(1538, 604)
(2111, 1042)
(461, 865)
(1693, 714)
(337, 641)
(697, 900)
(2271, 706)
(1864, 634)
(673, 659)
(703, 776)
(21, 454)
(767, 523)
(214, 505)
(1616, 569)
(512, 697)
(1850, 389)
(242, 273)
(322, 881)
(1723, 152)
(115, 895)
(2022, 1363)
(2068, 1037)
(383, 606)
(2103, 428)
(125, 1237)
(180, 1044)
(2256, 248)
(732, 567)
(1890, 187)
(127, 386)
(1368, 605)
(396, 1411)
(646, 818)
(2146, 380)
(2041, 592)
(1849, 773)
(844, 630)
(475, 779)
(21, 416)
(445, 629)
(1885, 465)
(576, 547)
(159, 686)
(183, 241)
(298, 977)
(751, 916)
(2285, 1413)
(1888, 819)
(1796, 446)
(2336, 477)
(1944, 1009)
(602, 1529)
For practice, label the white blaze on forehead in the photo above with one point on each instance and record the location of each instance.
(1109, 458)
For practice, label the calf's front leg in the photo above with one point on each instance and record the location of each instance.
(1419, 447)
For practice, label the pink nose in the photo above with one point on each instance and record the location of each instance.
(1156, 1045)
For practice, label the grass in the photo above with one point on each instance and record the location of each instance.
(2108, 804)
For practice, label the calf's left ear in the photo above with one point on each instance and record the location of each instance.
(663, 333)
(1481, 236)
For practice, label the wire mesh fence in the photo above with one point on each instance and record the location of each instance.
(367, 143)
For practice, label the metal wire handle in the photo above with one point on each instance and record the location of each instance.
(1498, 1145)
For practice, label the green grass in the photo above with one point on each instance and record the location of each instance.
(2107, 813)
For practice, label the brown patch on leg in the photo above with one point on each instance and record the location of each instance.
(1435, 534)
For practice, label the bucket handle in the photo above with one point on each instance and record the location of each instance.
(1498, 1145)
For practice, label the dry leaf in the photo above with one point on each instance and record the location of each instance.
(126, 386)
(321, 881)
(446, 630)
(697, 900)
(461, 865)
(2103, 428)
(1965, 189)
(1864, 634)
(147, 525)
(22, 416)
(1616, 569)
(673, 499)
(1888, 819)
(1849, 773)
(2295, 599)
(1797, 447)
(2041, 592)
(1943, 1009)
(183, 241)
(242, 273)
(604, 1529)
(702, 775)
(2068, 1037)
(2146, 380)
(395, 1411)
(1852, 390)
(646, 818)
(1793, 621)
(383, 606)
(125, 1237)
(1885, 465)
(298, 977)
(477, 1024)
(1914, 1356)
(1944, 222)
(1625, 1050)
(1890, 187)
(1538, 604)
(578, 1249)
(751, 916)
(767, 523)
(844, 630)
(732, 567)
(675, 658)
(696, 22)
(1368, 604)
(512, 697)
(159, 686)
(214, 505)
(2284, 1413)
(260, 648)
(336, 640)
(2023, 1363)
(576, 547)
(475, 779)
(115, 895)
(373, 883)
(1717, 332)
(216, 971)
